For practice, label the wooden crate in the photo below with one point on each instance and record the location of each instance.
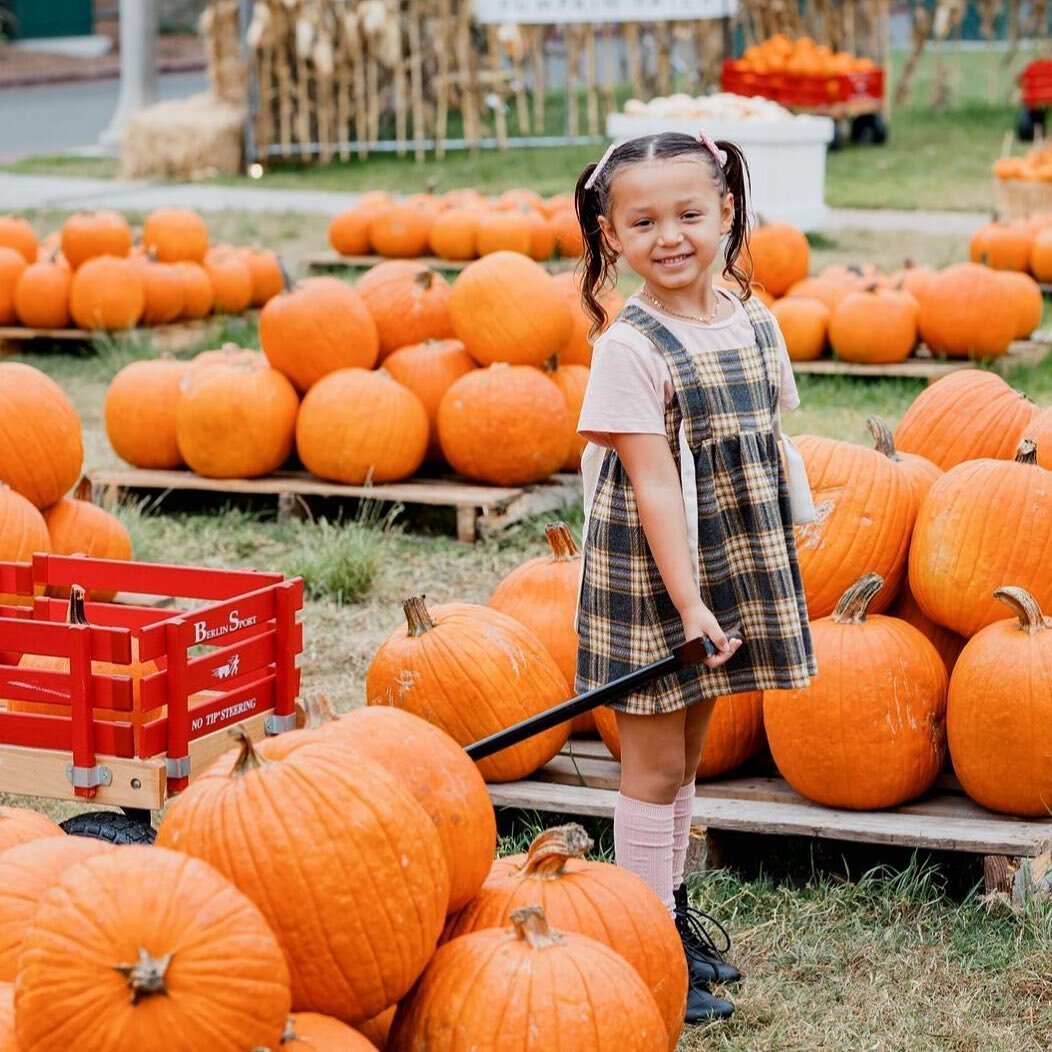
(327, 262)
(583, 780)
(481, 511)
(923, 366)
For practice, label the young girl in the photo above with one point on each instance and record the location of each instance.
(688, 527)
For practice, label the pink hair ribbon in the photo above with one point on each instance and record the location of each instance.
(717, 153)
(590, 182)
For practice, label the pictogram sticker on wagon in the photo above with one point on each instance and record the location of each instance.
(228, 670)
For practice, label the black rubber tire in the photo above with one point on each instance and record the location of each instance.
(869, 129)
(111, 826)
(1028, 122)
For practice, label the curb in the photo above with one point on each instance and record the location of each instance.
(174, 65)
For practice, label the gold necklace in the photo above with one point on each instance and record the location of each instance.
(706, 319)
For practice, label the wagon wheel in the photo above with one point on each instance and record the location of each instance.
(112, 826)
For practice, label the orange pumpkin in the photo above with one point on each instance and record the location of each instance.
(869, 730)
(946, 642)
(265, 273)
(169, 951)
(349, 232)
(22, 530)
(311, 1032)
(41, 297)
(829, 290)
(89, 234)
(164, 290)
(20, 825)
(569, 241)
(107, 293)
(1027, 301)
(578, 348)
(1040, 262)
(409, 303)
(780, 256)
(966, 313)
(175, 234)
(558, 876)
(378, 1028)
(452, 234)
(1003, 246)
(357, 425)
(919, 472)
(17, 234)
(12, 267)
(8, 1041)
(471, 671)
(1039, 429)
(805, 326)
(317, 327)
(402, 230)
(198, 294)
(429, 369)
(502, 231)
(983, 523)
(140, 412)
(231, 282)
(876, 326)
(507, 425)
(999, 716)
(572, 381)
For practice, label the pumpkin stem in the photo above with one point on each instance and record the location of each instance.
(532, 925)
(425, 278)
(146, 976)
(854, 603)
(247, 759)
(551, 364)
(83, 490)
(551, 850)
(418, 620)
(288, 1035)
(319, 710)
(560, 540)
(1025, 607)
(75, 614)
(885, 442)
(1027, 452)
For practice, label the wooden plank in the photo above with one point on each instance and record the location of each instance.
(330, 261)
(42, 772)
(204, 751)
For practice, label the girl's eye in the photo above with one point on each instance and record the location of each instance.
(691, 215)
(641, 222)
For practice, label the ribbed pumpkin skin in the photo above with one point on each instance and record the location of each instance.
(869, 730)
(41, 449)
(878, 326)
(107, 293)
(507, 425)
(1028, 300)
(572, 381)
(999, 719)
(735, 733)
(302, 837)
(227, 982)
(88, 234)
(175, 235)
(919, 472)
(1040, 430)
(311, 1032)
(948, 643)
(236, 421)
(80, 527)
(26, 873)
(355, 424)
(605, 902)
(865, 513)
(19, 825)
(984, 523)
(964, 416)
(967, 313)
(474, 672)
(140, 412)
(577, 994)
(377, 1028)
(409, 303)
(505, 309)
(8, 1042)
(42, 296)
(316, 328)
(22, 528)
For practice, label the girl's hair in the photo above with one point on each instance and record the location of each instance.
(591, 202)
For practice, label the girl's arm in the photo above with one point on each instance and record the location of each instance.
(659, 496)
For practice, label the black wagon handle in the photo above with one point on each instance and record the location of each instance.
(692, 652)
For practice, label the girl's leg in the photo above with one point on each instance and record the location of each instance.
(695, 725)
(644, 814)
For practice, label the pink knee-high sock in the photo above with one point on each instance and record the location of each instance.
(684, 809)
(643, 839)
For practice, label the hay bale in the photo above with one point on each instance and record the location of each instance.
(192, 138)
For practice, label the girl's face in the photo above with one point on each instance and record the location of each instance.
(666, 220)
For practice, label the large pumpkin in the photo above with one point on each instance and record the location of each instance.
(874, 326)
(17, 234)
(8, 1041)
(27, 871)
(107, 293)
(89, 234)
(865, 512)
(471, 671)
(311, 1032)
(409, 303)
(12, 267)
(966, 312)
(1027, 301)
(41, 449)
(869, 730)
(452, 234)
(598, 899)
(175, 235)
(983, 523)
(577, 350)
(999, 716)
(19, 825)
(231, 280)
(780, 256)
(140, 412)
(1003, 246)
(507, 425)
(919, 472)
(357, 425)
(304, 836)
(164, 289)
(947, 642)
(41, 298)
(23, 530)
(142, 949)
(315, 328)
(964, 416)
(505, 309)
(572, 380)
(1039, 430)
(804, 322)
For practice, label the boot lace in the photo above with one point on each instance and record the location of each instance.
(694, 924)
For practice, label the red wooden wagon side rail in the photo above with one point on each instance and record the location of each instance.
(227, 654)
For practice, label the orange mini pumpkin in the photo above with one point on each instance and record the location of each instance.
(780, 256)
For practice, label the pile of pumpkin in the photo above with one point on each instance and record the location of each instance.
(966, 310)
(41, 459)
(326, 890)
(93, 275)
(1023, 245)
(1034, 167)
(804, 55)
(367, 382)
(458, 225)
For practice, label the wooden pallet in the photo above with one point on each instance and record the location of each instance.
(327, 262)
(923, 366)
(583, 780)
(171, 339)
(481, 511)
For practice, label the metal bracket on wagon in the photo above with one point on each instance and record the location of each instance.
(275, 724)
(177, 766)
(88, 777)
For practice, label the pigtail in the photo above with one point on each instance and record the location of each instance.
(599, 261)
(736, 174)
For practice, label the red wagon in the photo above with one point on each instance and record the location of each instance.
(140, 698)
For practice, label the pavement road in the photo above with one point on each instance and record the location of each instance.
(55, 118)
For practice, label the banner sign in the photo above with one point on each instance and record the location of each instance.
(590, 12)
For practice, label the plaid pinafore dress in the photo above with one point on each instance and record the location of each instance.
(747, 570)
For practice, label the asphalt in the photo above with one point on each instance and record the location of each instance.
(21, 192)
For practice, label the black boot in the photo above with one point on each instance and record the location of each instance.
(703, 1005)
(704, 957)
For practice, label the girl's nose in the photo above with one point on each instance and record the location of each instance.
(670, 235)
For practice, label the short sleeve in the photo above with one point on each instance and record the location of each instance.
(627, 390)
(788, 395)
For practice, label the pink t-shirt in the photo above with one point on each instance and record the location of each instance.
(630, 383)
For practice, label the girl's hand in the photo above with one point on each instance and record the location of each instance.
(700, 622)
